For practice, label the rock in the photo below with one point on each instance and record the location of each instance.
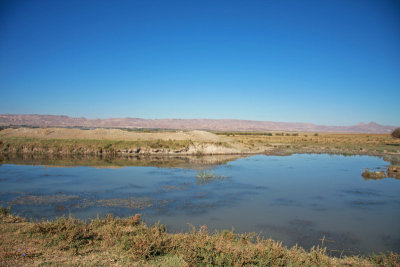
(393, 171)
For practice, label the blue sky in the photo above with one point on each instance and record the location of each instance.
(325, 62)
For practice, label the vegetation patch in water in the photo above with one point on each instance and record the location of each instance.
(76, 201)
(392, 172)
(130, 203)
(205, 177)
(368, 174)
(43, 199)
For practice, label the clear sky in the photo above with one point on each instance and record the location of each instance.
(325, 62)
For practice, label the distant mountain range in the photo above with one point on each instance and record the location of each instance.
(187, 124)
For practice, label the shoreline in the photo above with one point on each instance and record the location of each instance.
(120, 241)
(39, 146)
(72, 148)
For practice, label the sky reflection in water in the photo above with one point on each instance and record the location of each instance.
(297, 199)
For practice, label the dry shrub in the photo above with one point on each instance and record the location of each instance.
(67, 234)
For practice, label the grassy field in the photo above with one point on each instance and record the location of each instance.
(121, 242)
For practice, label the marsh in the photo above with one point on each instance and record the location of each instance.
(298, 199)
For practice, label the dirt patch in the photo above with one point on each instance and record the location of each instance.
(111, 134)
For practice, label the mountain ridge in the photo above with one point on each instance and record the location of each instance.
(186, 124)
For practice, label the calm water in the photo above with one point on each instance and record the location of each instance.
(296, 199)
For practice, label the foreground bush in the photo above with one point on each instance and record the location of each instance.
(115, 241)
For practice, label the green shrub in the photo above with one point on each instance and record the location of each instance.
(5, 211)
(396, 133)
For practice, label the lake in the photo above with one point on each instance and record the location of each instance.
(298, 199)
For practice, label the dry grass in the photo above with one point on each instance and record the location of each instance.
(121, 242)
(323, 142)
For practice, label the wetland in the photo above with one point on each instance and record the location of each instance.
(298, 199)
(179, 198)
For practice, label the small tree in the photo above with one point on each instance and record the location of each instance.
(396, 133)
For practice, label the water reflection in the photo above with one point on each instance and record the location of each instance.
(190, 162)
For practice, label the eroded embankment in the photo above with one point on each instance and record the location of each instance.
(110, 147)
(60, 141)
(117, 142)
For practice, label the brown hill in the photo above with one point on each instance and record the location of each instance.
(186, 124)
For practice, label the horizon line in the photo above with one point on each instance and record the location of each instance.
(107, 118)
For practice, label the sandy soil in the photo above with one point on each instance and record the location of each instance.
(112, 134)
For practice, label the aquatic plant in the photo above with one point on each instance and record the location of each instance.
(205, 176)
